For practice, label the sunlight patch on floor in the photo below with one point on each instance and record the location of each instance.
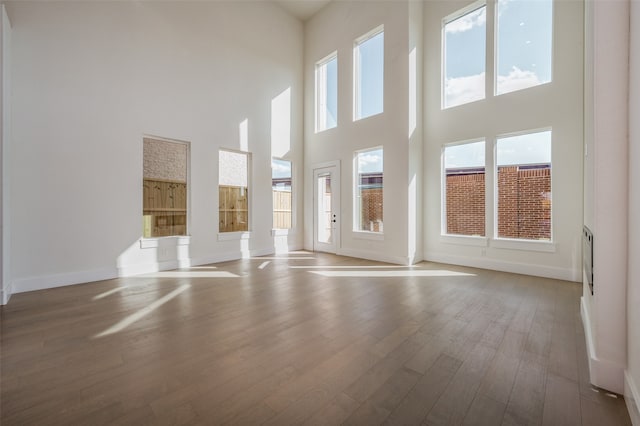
(126, 322)
(264, 264)
(282, 258)
(108, 293)
(391, 274)
(352, 267)
(190, 274)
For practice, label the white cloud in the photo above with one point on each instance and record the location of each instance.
(280, 168)
(466, 22)
(517, 79)
(370, 162)
(502, 6)
(462, 90)
(368, 159)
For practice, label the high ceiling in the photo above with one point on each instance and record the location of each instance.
(303, 9)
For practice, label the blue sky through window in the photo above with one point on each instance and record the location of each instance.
(327, 93)
(370, 161)
(524, 44)
(531, 148)
(464, 57)
(370, 77)
(332, 93)
(280, 169)
(464, 155)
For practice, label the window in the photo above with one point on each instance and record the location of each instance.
(327, 93)
(464, 172)
(164, 188)
(233, 190)
(368, 191)
(281, 188)
(464, 61)
(524, 186)
(524, 44)
(368, 85)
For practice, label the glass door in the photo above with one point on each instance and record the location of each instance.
(326, 209)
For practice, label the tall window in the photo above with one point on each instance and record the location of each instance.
(281, 188)
(369, 190)
(233, 190)
(524, 34)
(464, 170)
(164, 188)
(368, 85)
(524, 186)
(464, 47)
(327, 93)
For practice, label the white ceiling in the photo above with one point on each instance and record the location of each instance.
(302, 9)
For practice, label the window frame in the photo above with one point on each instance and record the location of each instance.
(496, 33)
(152, 242)
(443, 195)
(521, 243)
(284, 231)
(357, 206)
(356, 70)
(443, 68)
(322, 89)
(242, 234)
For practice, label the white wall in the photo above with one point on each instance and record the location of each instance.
(3, 292)
(5, 126)
(416, 146)
(605, 211)
(632, 381)
(91, 78)
(557, 105)
(335, 28)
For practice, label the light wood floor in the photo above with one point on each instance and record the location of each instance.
(316, 339)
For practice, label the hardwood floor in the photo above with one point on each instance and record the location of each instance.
(309, 339)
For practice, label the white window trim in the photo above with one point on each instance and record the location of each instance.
(536, 244)
(446, 20)
(527, 245)
(321, 91)
(356, 60)
(188, 224)
(274, 231)
(443, 190)
(495, 50)
(154, 242)
(466, 240)
(356, 211)
(249, 187)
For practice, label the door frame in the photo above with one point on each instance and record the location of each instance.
(334, 168)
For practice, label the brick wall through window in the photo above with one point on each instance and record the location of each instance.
(524, 202)
(465, 203)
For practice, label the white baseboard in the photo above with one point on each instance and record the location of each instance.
(602, 373)
(632, 398)
(373, 255)
(5, 294)
(60, 280)
(505, 266)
